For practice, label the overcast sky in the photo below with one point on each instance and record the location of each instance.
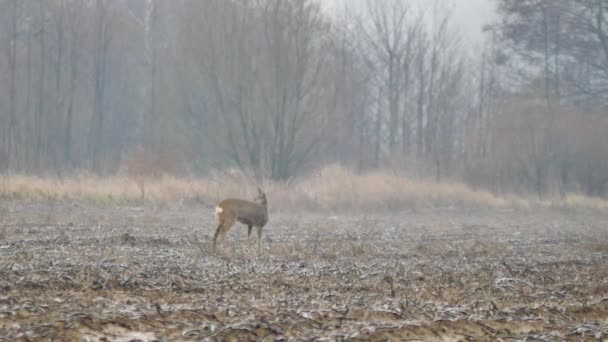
(469, 15)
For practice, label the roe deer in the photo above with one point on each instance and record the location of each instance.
(252, 214)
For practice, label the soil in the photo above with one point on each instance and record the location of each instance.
(72, 271)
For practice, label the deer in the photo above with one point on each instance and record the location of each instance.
(251, 214)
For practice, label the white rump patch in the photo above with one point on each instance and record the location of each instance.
(218, 210)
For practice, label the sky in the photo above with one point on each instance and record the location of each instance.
(469, 15)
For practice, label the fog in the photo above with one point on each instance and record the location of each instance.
(469, 15)
(280, 88)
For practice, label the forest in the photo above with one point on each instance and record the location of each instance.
(280, 88)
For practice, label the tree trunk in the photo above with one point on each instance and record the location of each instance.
(40, 112)
(12, 126)
(99, 73)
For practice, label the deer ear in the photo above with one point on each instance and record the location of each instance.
(260, 191)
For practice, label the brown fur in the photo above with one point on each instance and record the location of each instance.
(251, 214)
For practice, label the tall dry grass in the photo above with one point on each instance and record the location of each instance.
(337, 188)
(331, 188)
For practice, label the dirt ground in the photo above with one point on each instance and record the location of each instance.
(106, 273)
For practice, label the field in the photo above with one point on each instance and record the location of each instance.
(99, 272)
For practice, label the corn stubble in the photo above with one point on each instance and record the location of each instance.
(148, 273)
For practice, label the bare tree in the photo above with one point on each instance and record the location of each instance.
(388, 30)
(100, 55)
(267, 73)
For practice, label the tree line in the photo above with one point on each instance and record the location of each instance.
(278, 88)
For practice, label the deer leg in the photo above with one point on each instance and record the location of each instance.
(225, 228)
(217, 233)
(249, 236)
(260, 240)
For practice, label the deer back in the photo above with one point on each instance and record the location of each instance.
(246, 212)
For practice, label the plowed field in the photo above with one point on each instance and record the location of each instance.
(105, 273)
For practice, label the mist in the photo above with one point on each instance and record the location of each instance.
(505, 96)
(414, 170)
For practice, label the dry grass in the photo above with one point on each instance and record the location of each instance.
(579, 201)
(337, 188)
(331, 188)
